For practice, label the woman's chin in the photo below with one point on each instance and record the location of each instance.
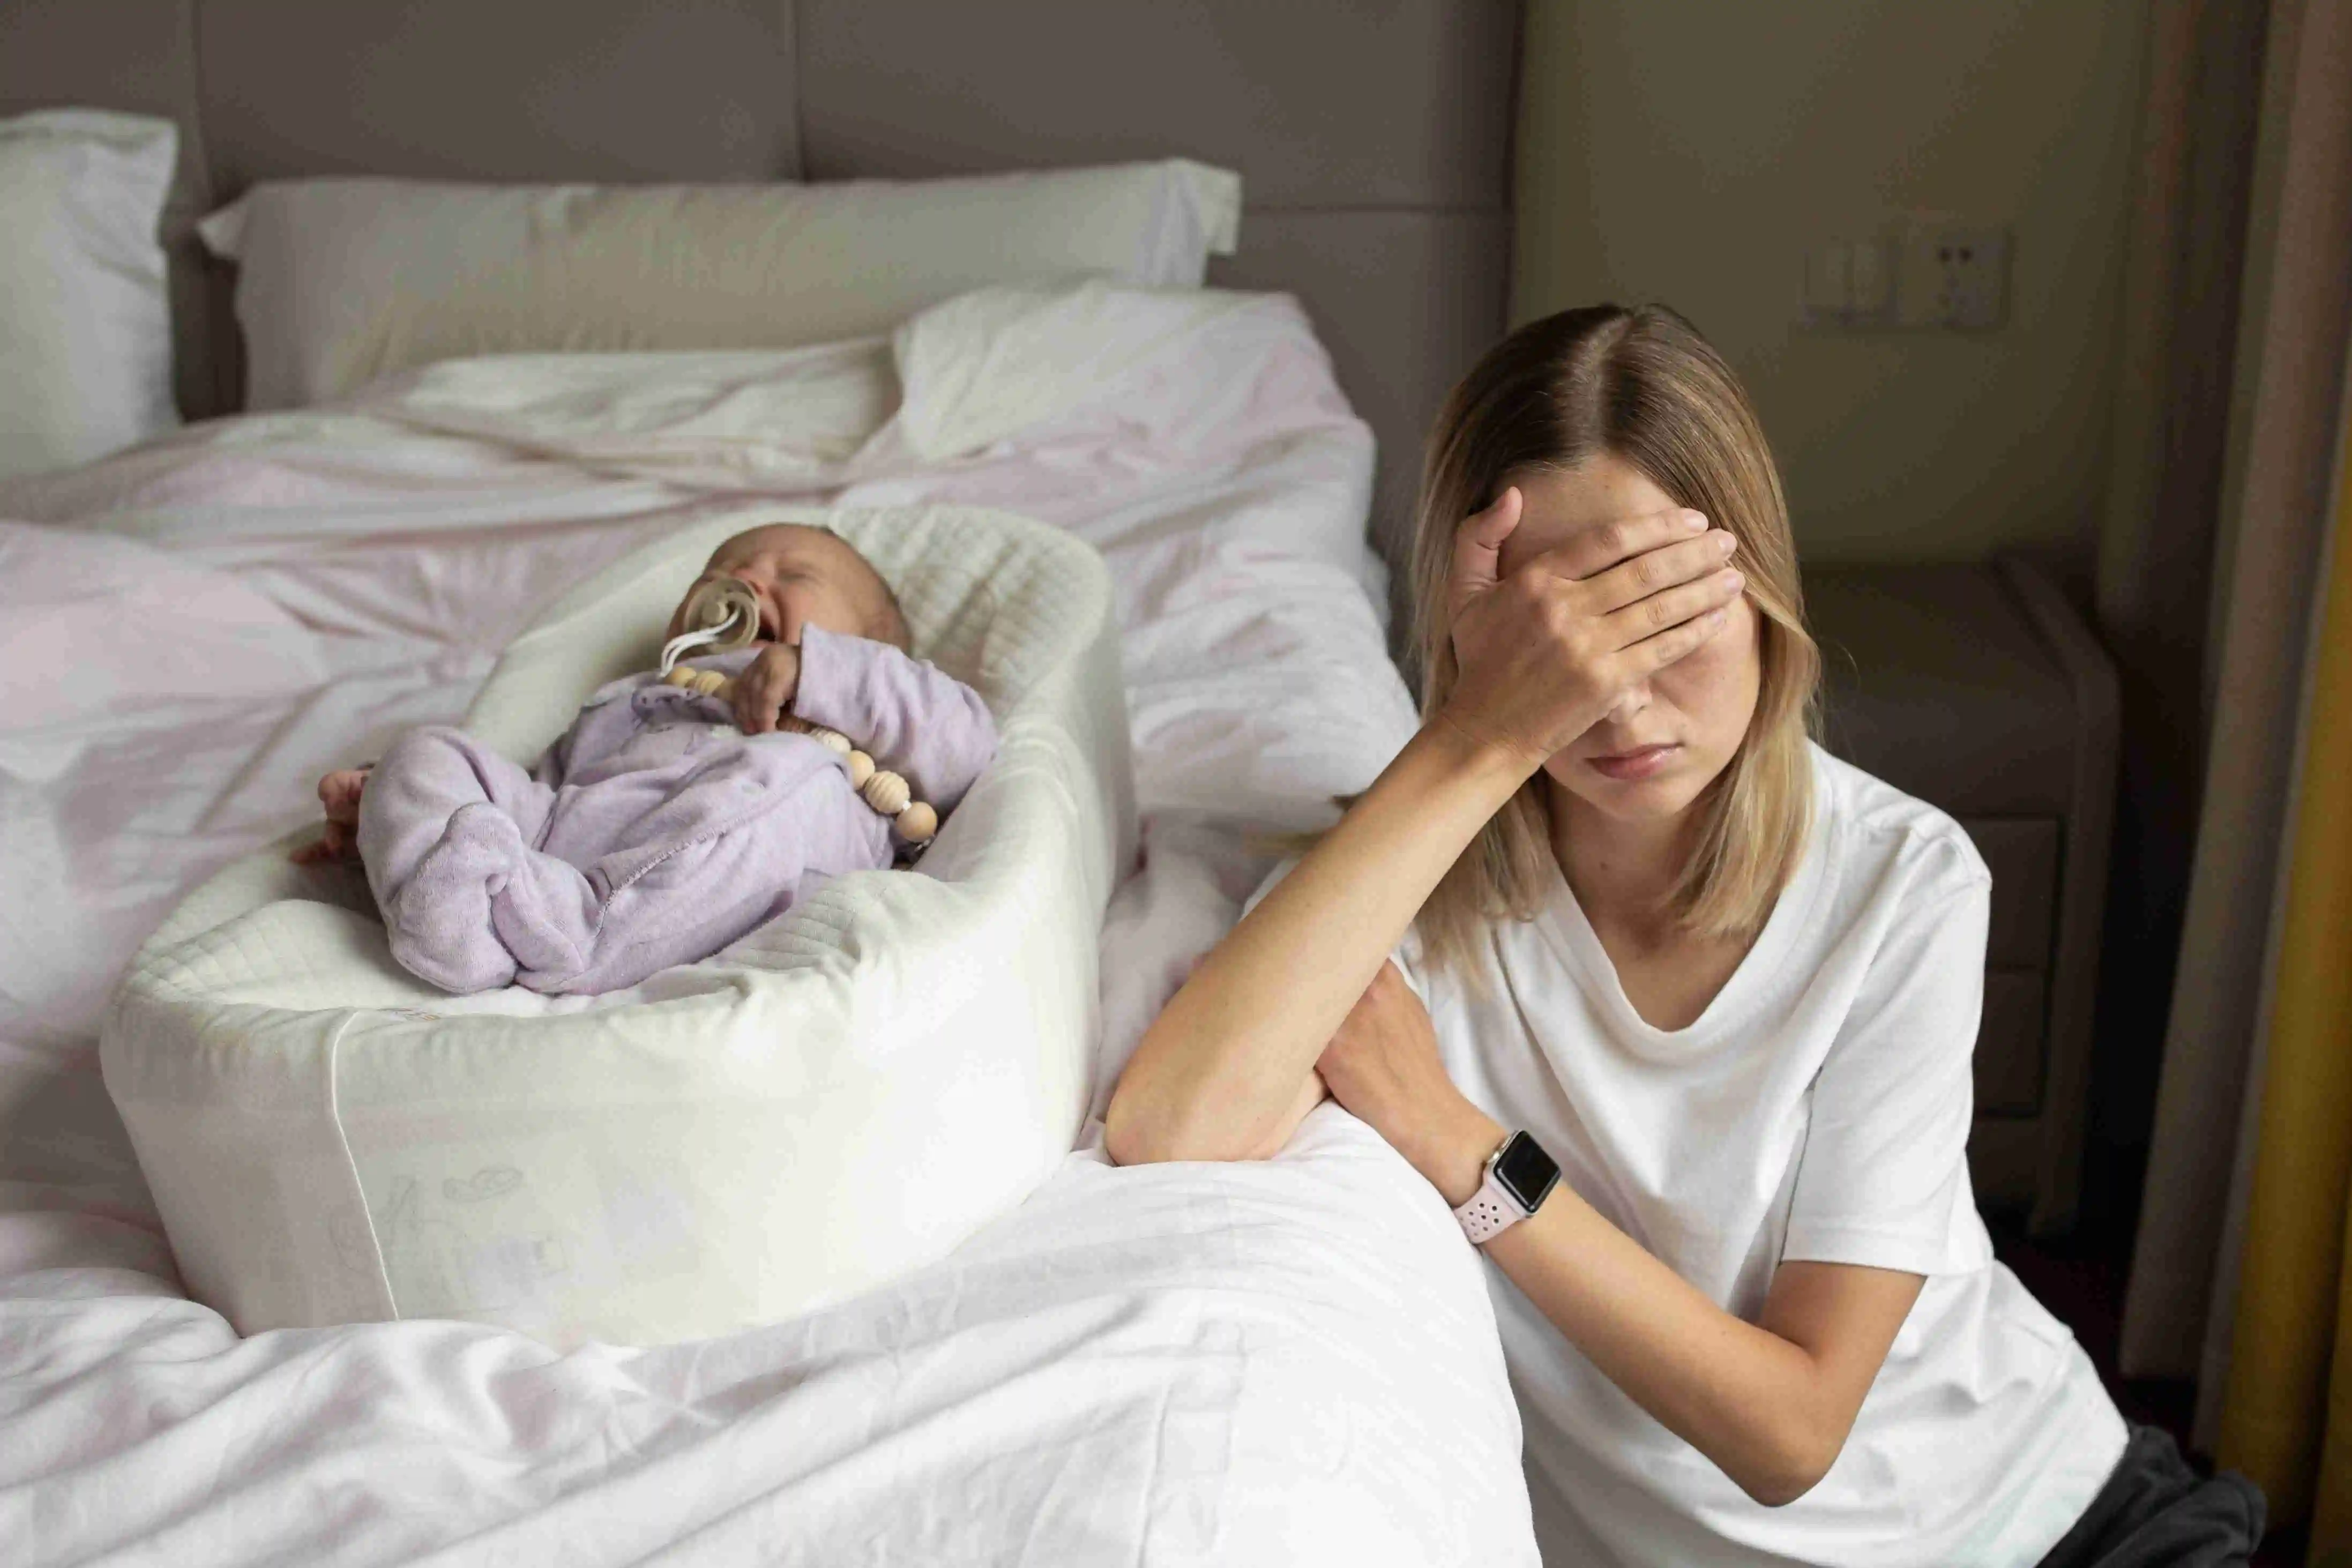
(1646, 792)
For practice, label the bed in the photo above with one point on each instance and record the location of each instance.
(1292, 1361)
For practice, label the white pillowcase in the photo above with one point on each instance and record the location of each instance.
(343, 280)
(84, 322)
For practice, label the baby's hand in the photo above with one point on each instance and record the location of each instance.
(766, 689)
(338, 792)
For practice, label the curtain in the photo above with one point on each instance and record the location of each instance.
(2285, 415)
(2286, 1413)
(2184, 264)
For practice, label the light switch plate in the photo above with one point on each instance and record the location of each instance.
(1868, 281)
(1848, 284)
(1829, 270)
(1923, 269)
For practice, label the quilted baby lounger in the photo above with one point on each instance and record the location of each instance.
(841, 1096)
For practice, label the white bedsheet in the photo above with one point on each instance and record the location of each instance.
(1290, 1362)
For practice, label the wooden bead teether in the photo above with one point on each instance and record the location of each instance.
(888, 794)
(885, 791)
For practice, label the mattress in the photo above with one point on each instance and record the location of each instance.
(841, 1097)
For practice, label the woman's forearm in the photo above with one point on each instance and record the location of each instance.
(1727, 1388)
(1223, 1066)
(1769, 1401)
(1771, 1413)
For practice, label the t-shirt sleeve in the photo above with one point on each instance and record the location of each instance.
(1884, 1178)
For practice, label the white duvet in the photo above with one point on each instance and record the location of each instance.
(1292, 1361)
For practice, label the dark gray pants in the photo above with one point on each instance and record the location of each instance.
(2157, 1512)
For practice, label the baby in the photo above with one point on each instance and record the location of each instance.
(664, 824)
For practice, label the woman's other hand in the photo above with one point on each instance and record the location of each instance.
(1383, 1067)
(766, 687)
(1545, 652)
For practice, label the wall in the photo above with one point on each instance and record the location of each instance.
(1692, 151)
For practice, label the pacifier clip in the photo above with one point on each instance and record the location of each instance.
(723, 615)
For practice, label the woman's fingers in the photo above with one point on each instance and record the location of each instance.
(1543, 654)
(1653, 654)
(1387, 1029)
(1383, 1065)
(1655, 571)
(1593, 551)
(1479, 547)
(1646, 618)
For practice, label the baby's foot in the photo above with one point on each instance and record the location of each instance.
(338, 792)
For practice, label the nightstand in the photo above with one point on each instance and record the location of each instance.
(1979, 690)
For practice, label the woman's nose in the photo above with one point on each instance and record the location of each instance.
(1635, 698)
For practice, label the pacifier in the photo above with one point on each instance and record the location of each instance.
(721, 614)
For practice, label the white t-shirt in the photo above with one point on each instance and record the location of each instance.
(1818, 1109)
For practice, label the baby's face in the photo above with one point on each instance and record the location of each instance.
(805, 577)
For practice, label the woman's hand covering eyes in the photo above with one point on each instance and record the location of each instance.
(1542, 654)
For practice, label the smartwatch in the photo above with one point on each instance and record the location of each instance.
(1519, 1176)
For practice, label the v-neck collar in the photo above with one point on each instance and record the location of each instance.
(1760, 972)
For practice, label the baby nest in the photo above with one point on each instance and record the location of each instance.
(840, 1097)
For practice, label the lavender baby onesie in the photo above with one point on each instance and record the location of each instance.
(654, 832)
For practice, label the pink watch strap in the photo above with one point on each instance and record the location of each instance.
(1490, 1211)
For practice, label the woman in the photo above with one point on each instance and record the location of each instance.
(1728, 983)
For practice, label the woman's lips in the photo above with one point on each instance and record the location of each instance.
(1640, 762)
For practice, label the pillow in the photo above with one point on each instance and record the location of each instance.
(343, 280)
(85, 324)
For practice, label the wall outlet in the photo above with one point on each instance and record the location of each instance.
(1924, 269)
(1952, 275)
(1975, 266)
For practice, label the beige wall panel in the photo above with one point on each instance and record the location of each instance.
(1405, 301)
(1376, 103)
(1691, 151)
(519, 90)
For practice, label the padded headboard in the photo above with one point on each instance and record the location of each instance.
(1373, 136)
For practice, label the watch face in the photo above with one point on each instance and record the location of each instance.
(1526, 1172)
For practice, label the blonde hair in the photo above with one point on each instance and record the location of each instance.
(1643, 387)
